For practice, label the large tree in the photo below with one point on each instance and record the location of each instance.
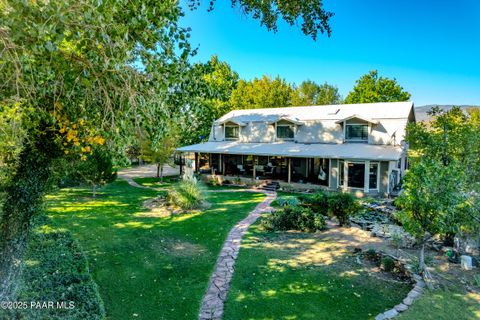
(265, 92)
(435, 200)
(372, 88)
(75, 74)
(309, 93)
(211, 89)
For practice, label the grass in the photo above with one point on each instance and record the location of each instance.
(443, 304)
(304, 276)
(153, 182)
(148, 267)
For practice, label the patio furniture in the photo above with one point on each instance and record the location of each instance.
(240, 168)
(260, 169)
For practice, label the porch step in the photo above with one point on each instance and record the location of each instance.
(270, 186)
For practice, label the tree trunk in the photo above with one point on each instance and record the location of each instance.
(158, 170)
(94, 191)
(24, 197)
(161, 174)
(422, 258)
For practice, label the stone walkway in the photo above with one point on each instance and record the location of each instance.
(214, 299)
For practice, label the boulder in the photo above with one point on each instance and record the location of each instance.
(466, 262)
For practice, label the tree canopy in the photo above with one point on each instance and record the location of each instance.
(265, 92)
(310, 14)
(309, 93)
(214, 82)
(372, 88)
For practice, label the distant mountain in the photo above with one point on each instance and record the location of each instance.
(421, 111)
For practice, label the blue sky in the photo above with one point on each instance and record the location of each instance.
(432, 47)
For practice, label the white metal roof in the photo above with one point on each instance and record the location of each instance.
(381, 110)
(291, 149)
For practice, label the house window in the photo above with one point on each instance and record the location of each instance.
(231, 132)
(285, 132)
(356, 132)
(356, 175)
(373, 181)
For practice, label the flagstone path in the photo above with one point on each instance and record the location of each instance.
(214, 299)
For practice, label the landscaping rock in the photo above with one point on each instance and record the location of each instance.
(401, 307)
(392, 313)
(380, 317)
(414, 294)
(408, 301)
(466, 262)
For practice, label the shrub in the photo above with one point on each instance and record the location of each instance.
(318, 202)
(56, 269)
(342, 206)
(294, 218)
(187, 194)
(287, 201)
(388, 264)
(371, 255)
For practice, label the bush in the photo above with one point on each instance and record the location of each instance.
(318, 202)
(371, 255)
(56, 269)
(294, 218)
(187, 194)
(342, 206)
(287, 201)
(388, 264)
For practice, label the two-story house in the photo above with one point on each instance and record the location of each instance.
(354, 147)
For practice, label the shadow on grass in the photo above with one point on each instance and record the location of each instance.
(153, 267)
(306, 276)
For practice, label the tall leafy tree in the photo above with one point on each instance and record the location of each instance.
(262, 93)
(97, 170)
(213, 83)
(372, 88)
(158, 147)
(309, 93)
(450, 136)
(435, 201)
(68, 85)
(78, 74)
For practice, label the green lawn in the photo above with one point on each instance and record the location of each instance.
(304, 276)
(443, 304)
(147, 267)
(153, 182)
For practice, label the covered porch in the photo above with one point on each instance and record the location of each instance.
(281, 168)
(357, 168)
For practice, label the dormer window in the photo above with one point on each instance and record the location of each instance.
(356, 132)
(232, 132)
(285, 131)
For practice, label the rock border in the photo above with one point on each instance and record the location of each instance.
(212, 305)
(412, 295)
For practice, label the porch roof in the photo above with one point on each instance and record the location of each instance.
(300, 150)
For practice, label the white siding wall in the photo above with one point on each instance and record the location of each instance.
(324, 131)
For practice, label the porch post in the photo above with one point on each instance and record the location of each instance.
(345, 175)
(254, 168)
(196, 162)
(222, 163)
(289, 170)
(181, 164)
(210, 164)
(366, 187)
